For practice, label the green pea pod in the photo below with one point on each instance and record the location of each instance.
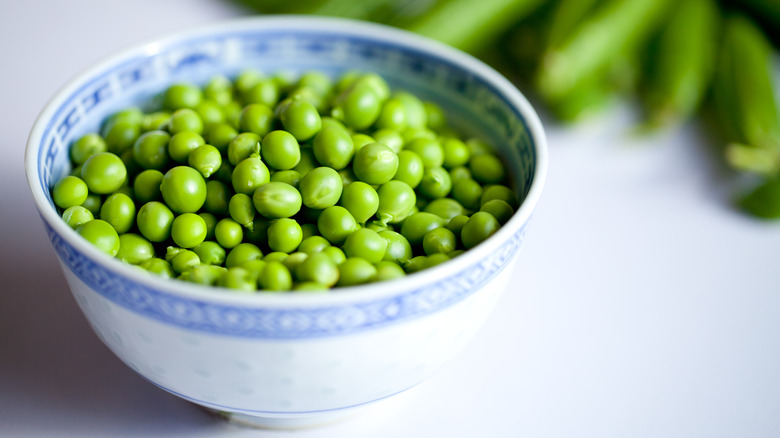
(744, 98)
(763, 201)
(583, 102)
(469, 26)
(680, 62)
(615, 28)
(566, 16)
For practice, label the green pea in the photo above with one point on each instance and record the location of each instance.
(284, 235)
(393, 115)
(318, 268)
(146, 186)
(436, 183)
(233, 112)
(310, 229)
(183, 189)
(307, 94)
(347, 176)
(387, 270)
(243, 146)
(416, 225)
(185, 119)
(85, 147)
(211, 224)
(276, 256)
(301, 119)
(210, 253)
(182, 95)
(307, 163)
(150, 151)
(310, 286)
(93, 204)
(238, 279)
(396, 202)
(241, 253)
(333, 147)
(228, 233)
(501, 210)
(487, 169)
(316, 80)
(479, 227)
(456, 224)
(70, 191)
(264, 91)
(435, 259)
(429, 150)
(210, 112)
(182, 144)
(359, 140)
(101, 234)
(439, 240)
(254, 266)
(246, 80)
(155, 121)
(358, 106)
(410, 168)
(354, 271)
(276, 200)
(458, 173)
(468, 192)
(436, 119)
(500, 192)
(375, 163)
(291, 177)
(220, 135)
(390, 137)
(158, 266)
(119, 211)
(103, 172)
(446, 208)
(294, 260)
(335, 224)
(275, 277)
(456, 253)
(206, 159)
(218, 197)
(313, 244)
(134, 249)
(242, 210)
(256, 118)
(172, 251)
(121, 136)
(321, 188)
(417, 117)
(367, 244)
(188, 230)
(281, 150)
(335, 254)
(207, 275)
(330, 122)
(361, 200)
(399, 249)
(415, 264)
(77, 215)
(456, 153)
(478, 147)
(184, 260)
(250, 174)
(219, 89)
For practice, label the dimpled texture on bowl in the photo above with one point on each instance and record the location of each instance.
(289, 357)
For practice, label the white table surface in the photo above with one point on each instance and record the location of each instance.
(643, 304)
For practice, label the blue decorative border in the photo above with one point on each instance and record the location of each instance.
(287, 323)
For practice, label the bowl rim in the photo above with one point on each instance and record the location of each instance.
(344, 295)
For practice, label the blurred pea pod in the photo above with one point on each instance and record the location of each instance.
(614, 28)
(744, 98)
(470, 25)
(680, 62)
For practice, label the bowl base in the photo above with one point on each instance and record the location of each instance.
(292, 422)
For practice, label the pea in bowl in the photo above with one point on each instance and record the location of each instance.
(289, 359)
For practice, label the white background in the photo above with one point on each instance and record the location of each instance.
(643, 305)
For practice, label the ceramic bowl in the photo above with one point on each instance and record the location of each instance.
(289, 360)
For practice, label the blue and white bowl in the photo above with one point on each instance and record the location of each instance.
(290, 359)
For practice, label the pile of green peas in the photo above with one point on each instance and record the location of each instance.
(268, 183)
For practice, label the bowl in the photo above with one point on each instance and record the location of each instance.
(289, 360)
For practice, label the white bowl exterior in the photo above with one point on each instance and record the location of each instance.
(292, 355)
